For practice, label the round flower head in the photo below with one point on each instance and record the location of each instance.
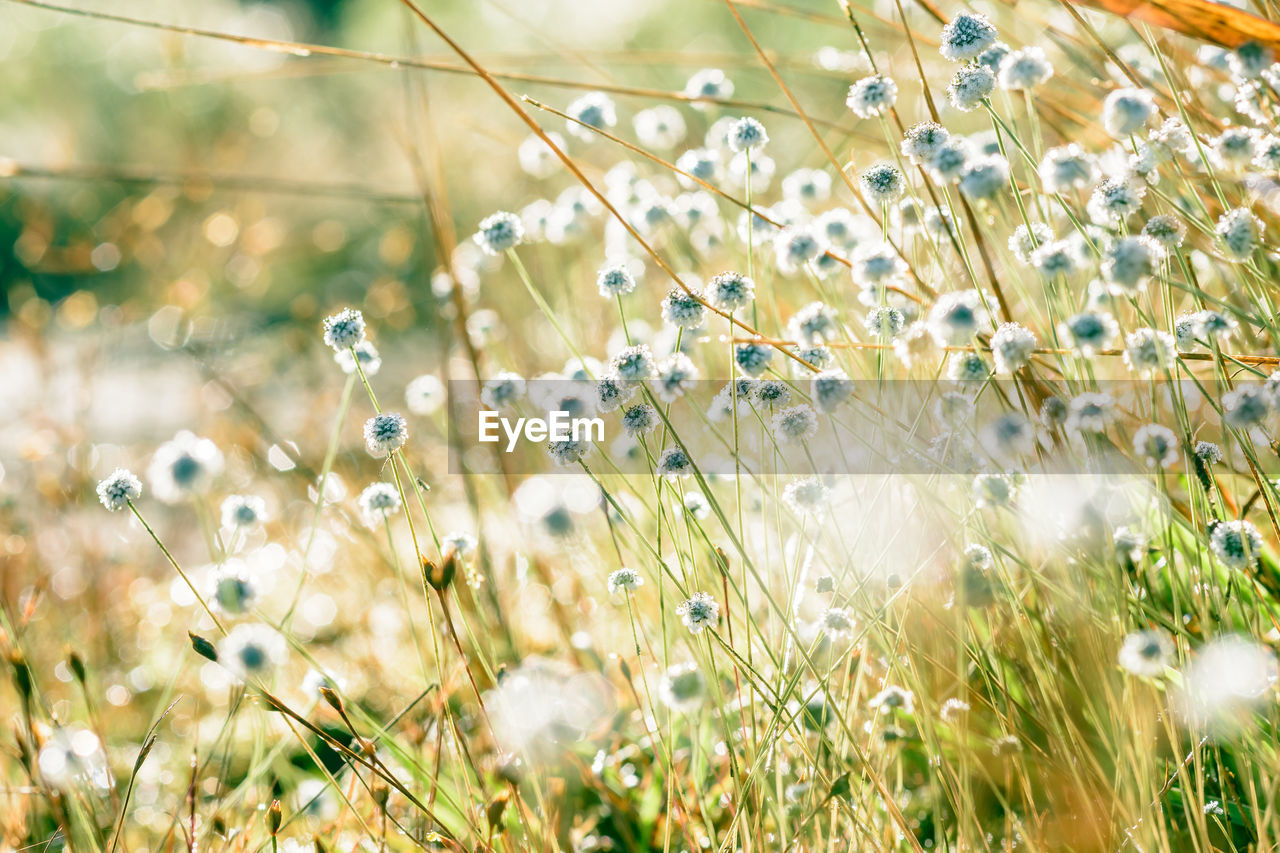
(1026, 240)
(985, 177)
(568, 452)
(706, 85)
(633, 364)
(807, 186)
(883, 183)
(950, 161)
(876, 264)
(795, 424)
(1246, 406)
(966, 36)
(1267, 157)
(1157, 445)
(1090, 331)
(252, 651)
(817, 355)
(384, 433)
(1130, 261)
(377, 501)
(1115, 199)
(1013, 345)
(344, 329)
(366, 356)
(536, 158)
(730, 291)
(993, 490)
(1127, 111)
(683, 310)
(698, 612)
(747, 134)
(243, 511)
(499, 232)
(640, 420)
(624, 580)
(502, 390)
(762, 169)
(424, 395)
(1090, 412)
(1059, 258)
(1146, 654)
(893, 698)
(682, 687)
(872, 96)
(830, 389)
(660, 127)
(1067, 167)
(1173, 136)
(957, 316)
(836, 622)
(674, 462)
(993, 56)
(615, 280)
(1148, 351)
(1250, 60)
(1236, 147)
(814, 322)
(1239, 233)
(184, 466)
(1236, 544)
(796, 247)
(923, 140)
(675, 374)
(753, 359)
(233, 588)
(967, 367)
(1024, 69)
(970, 86)
(118, 489)
(839, 227)
(701, 163)
(1168, 231)
(884, 322)
(772, 393)
(594, 109)
(612, 393)
(1208, 452)
(917, 344)
(807, 497)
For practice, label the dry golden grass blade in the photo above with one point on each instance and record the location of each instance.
(1199, 19)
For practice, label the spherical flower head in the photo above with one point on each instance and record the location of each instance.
(730, 291)
(884, 322)
(1239, 233)
(624, 580)
(985, 177)
(252, 651)
(795, 424)
(753, 359)
(923, 140)
(1024, 69)
(1129, 261)
(344, 330)
(1090, 331)
(796, 247)
(118, 489)
(970, 86)
(1026, 240)
(967, 367)
(747, 134)
(502, 390)
(615, 280)
(661, 127)
(1236, 544)
(1146, 654)
(1236, 147)
(814, 322)
(957, 316)
(377, 502)
(633, 364)
(993, 490)
(184, 466)
(772, 393)
(1090, 412)
(707, 85)
(499, 232)
(240, 512)
(365, 355)
(698, 612)
(993, 56)
(918, 343)
(1059, 258)
(830, 388)
(682, 687)
(537, 158)
(1067, 167)
(966, 36)
(883, 183)
(675, 374)
(640, 420)
(1149, 351)
(1013, 345)
(1250, 60)
(836, 622)
(872, 96)
(807, 186)
(683, 310)
(612, 393)
(674, 462)
(893, 698)
(385, 433)
(594, 109)
(1127, 111)
(424, 395)
(808, 498)
(953, 710)
(950, 161)
(568, 452)
(875, 265)
(1267, 157)
(1169, 231)
(1157, 445)
(234, 589)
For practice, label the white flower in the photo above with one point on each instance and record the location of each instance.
(118, 489)
(1146, 654)
(1013, 345)
(1156, 444)
(698, 612)
(624, 580)
(344, 329)
(385, 433)
(872, 96)
(252, 651)
(424, 395)
(1236, 544)
(184, 466)
(240, 511)
(377, 501)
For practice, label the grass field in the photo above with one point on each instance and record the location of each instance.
(933, 362)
